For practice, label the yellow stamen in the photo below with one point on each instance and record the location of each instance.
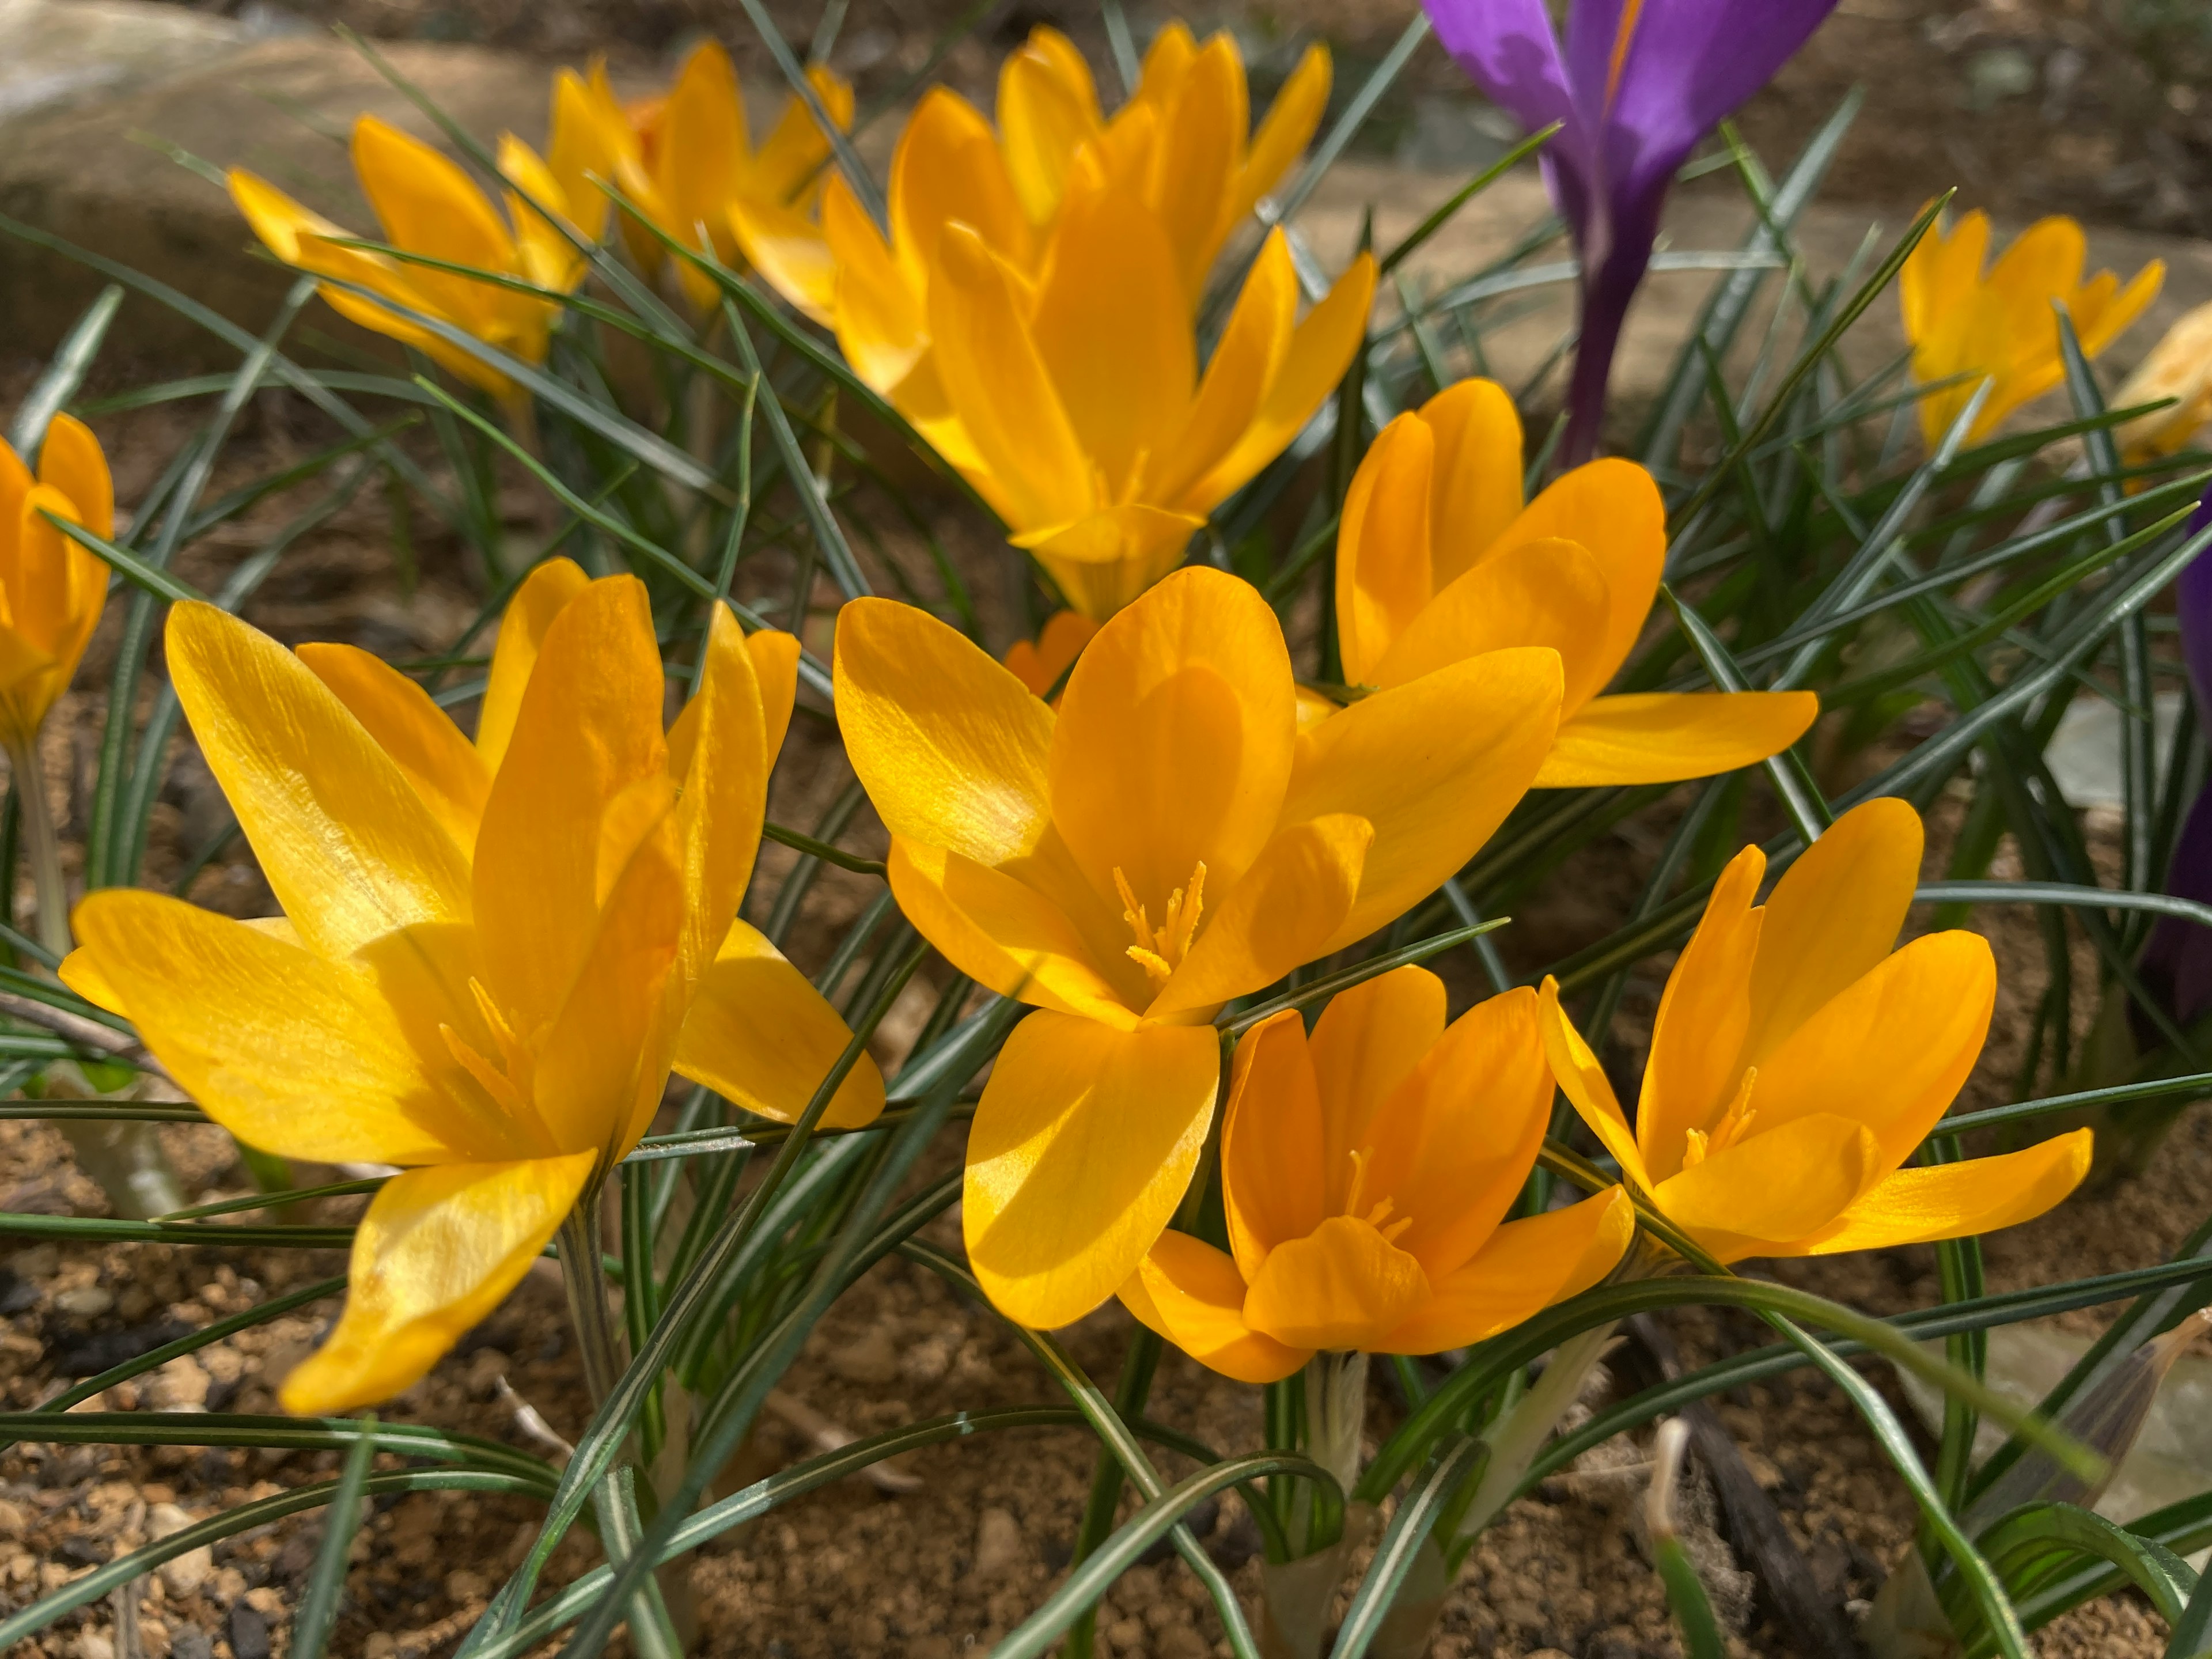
(1737, 1118)
(1694, 1154)
(1161, 950)
(1620, 40)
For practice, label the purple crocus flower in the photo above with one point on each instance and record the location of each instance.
(2177, 962)
(1641, 82)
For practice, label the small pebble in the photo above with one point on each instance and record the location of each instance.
(85, 1301)
(999, 1544)
(249, 1633)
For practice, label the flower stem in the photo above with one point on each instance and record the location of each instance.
(587, 1295)
(42, 847)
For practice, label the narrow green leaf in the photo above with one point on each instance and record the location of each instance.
(318, 1612)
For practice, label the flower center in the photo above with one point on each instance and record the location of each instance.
(1728, 1131)
(511, 1078)
(1161, 950)
(1379, 1213)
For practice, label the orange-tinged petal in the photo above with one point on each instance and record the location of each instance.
(1695, 1066)
(297, 236)
(949, 169)
(1660, 736)
(1343, 1285)
(1383, 575)
(348, 846)
(788, 248)
(1773, 1188)
(1526, 1266)
(1040, 663)
(1003, 933)
(1612, 509)
(543, 596)
(293, 1053)
(1103, 561)
(1957, 1200)
(1191, 1293)
(951, 747)
(1453, 1147)
(1279, 916)
(1047, 108)
(1476, 490)
(1286, 131)
(584, 773)
(591, 138)
(1195, 160)
(70, 460)
(1082, 1145)
(1544, 592)
(1832, 917)
(1583, 1080)
(436, 1252)
(1892, 1049)
(1246, 361)
(1273, 1180)
(1366, 1044)
(775, 671)
(1434, 766)
(427, 204)
(2112, 318)
(444, 767)
(760, 1035)
(1173, 739)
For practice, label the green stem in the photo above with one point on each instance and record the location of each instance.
(586, 1285)
(42, 847)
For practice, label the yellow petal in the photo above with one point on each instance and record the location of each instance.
(70, 460)
(1245, 362)
(1103, 561)
(1476, 492)
(80, 971)
(1834, 913)
(437, 1251)
(348, 846)
(704, 147)
(877, 306)
(427, 204)
(1957, 1200)
(421, 738)
(948, 168)
(1191, 1294)
(1047, 108)
(1173, 739)
(291, 1053)
(1773, 1188)
(1453, 1147)
(788, 248)
(543, 596)
(952, 748)
(1273, 1184)
(1545, 593)
(723, 796)
(591, 137)
(775, 671)
(1660, 736)
(1040, 664)
(1696, 1064)
(760, 1035)
(1343, 1285)
(1892, 1050)
(1611, 509)
(1081, 1147)
(1383, 574)
(1287, 129)
(1279, 916)
(1434, 766)
(791, 157)
(548, 258)
(1526, 1266)
(1195, 160)
(584, 772)
(298, 237)
(2112, 317)
(1583, 1082)
(1367, 1043)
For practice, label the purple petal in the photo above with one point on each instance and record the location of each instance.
(2177, 962)
(2192, 599)
(1507, 49)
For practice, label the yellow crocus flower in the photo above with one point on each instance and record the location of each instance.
(1797, 1062)
(51, 590)
(1164, 842)
(687, 159)
(2179, 366)
(1366, 1172)
(1038, 663)
(487, 951)
(428, 206)
(1439, 559)
(1997, 325)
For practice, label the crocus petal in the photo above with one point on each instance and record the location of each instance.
(1682, 66)
(1612, 508)
(1343, 1285)
(790, 159)
(546, 255)
(1195, 158)
(1771, 1188)
(291, 1053)
(1475, 490)
(348, 846)
(1190, 1293)
(70, 461)
(1103, 561)
(704, 147)
(1507, 48)
(427, 204)
(590, 137)
(1545, 593)
(788, 248)
(724, 794)
(949, 169)
(877, 310)
(1957, 1200)
(1526, 1266)
(2112, 317)
(1662, 737)
(1041, 665)
(421, 737)
(437, 1250)
(544, 594)
(1245, 362)
(1892, 1049)
(1583, 1082)
(1832, 917)
(1083, 1143)
(1286, 131)
(1279, 916)
(1435, 766)
(1695, 1063)
(951, 746)
(760, 1035)
(1174, 740)
(1047, 108)
(1366, 1044)
(583, 781)
(1274, 1171)
(1383, 575)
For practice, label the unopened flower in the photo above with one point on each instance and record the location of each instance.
(1999, 325)
(1639, 84)
(487, 951)
(1797, 1062)
(51, 590)
(1163, 843)
(1366, 1173)
(1041, 663)
(1438, 559)
(428, 206)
